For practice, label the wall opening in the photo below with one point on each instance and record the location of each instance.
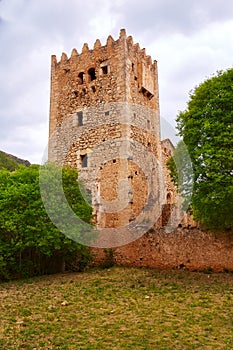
(146, 93)
(104, 70)
(80, 118)
(83, 158)
(75, 92)
(80, 78)
(91, 74)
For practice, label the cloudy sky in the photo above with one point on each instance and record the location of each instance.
(190, 39)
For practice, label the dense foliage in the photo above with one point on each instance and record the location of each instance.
(29, 242)
(207, 130)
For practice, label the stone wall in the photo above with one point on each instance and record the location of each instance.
(191, 249)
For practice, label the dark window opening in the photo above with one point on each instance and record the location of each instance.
(75, 92)
(91, 74)
(83, 159)
(80, 78)
(166, 214)
(104, 70)
(114, 161)
(148, 144)
(135, 78)
(84, 90)
(147, 93)
(106, 113)
(130, 177)
(80, 118)
(93, 88)
(133, 67)
(136, 172)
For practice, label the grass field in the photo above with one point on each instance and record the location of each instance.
(118, 308)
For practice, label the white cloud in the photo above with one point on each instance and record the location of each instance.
(191, 40)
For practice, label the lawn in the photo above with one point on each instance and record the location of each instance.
(118, 308)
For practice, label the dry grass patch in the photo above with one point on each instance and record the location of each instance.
(118, 308)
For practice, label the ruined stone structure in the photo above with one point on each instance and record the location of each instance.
(104, 121)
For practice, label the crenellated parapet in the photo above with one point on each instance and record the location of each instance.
(100, 52)
(119, 71)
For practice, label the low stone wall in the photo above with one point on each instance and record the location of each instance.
(192, 249)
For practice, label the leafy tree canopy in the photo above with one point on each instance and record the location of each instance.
(25, 227)
(207, 130)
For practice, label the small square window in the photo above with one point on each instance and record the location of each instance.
(106, 113)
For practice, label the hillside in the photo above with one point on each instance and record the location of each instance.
(10, 162)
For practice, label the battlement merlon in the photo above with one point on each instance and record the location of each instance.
(111, 46)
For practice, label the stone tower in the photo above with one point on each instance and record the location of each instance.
(104, 121)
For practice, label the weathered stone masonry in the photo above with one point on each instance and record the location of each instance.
(104, 121)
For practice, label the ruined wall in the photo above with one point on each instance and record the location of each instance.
(192, 249)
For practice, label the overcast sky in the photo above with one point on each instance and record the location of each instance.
(190, 39)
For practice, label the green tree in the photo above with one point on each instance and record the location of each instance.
(29, 241)
(181, 171)
(207, 130)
